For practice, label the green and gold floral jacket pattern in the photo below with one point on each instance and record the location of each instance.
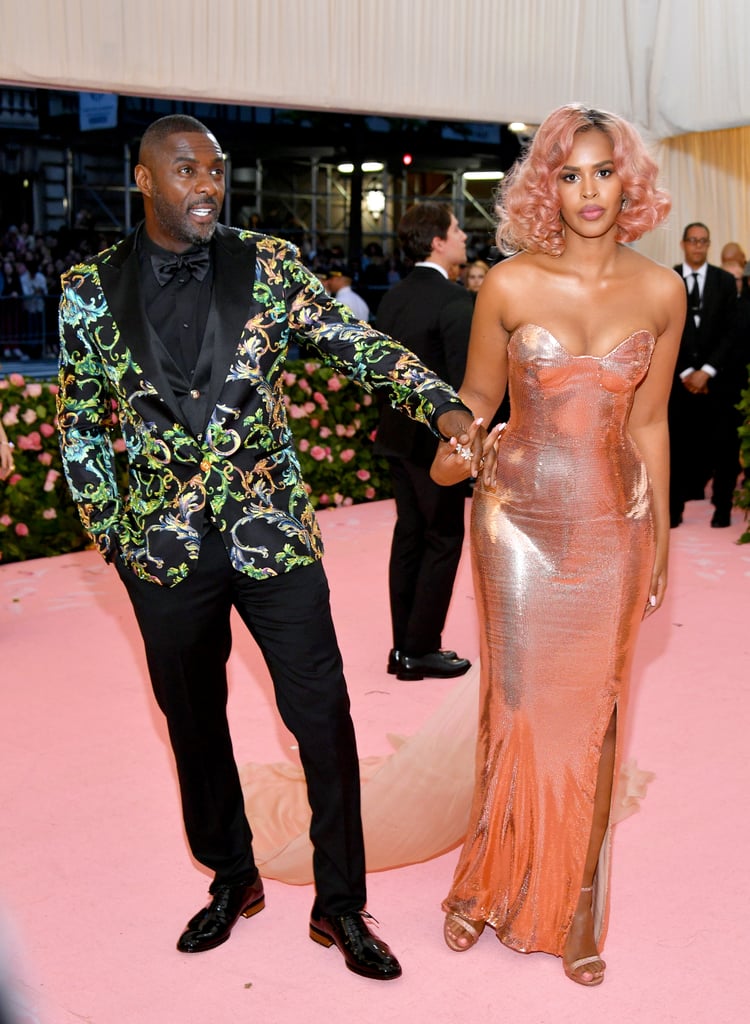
(241, 470)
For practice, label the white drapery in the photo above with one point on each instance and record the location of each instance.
(670, 66)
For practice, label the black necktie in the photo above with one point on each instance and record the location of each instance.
(197, 262)
(694, 295)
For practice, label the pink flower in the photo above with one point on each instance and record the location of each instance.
(22, 529)
(53, 388)
(46, 429)
(309, 407)
(308, 488)
(314, 422)
(49, 482)
(304, 385)
(289, 378)
(29, 416)
(13, 480)
(320, 400)
(11, 416)
(323, 499)
(17, 380)
(334, 384)
(4, 384)
(318, 453)
(363, 474)
(325, 432)
(296, 412)
(369, 493)
(338, 499)
(347, 455)
(119, 444)
(304, 444)
(33, 390)
(366, 399)
(311, 367)
(49, 513)
(45, 458)
(348, 501)
(340, 430)
(5, 520)
(29, 442)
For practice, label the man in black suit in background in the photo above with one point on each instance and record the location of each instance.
(430, 315)
(702, 419)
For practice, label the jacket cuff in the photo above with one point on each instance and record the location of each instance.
(446, 407)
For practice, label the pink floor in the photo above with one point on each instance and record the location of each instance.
(96, 882)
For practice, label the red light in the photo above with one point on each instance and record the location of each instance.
(406, 159)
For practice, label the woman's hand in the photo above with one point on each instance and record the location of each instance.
(657, 587)
(7, 464)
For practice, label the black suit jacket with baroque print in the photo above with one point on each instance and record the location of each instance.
(239, 467)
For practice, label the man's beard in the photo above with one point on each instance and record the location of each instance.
(175, 223)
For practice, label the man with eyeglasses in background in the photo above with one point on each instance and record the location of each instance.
(702, 421)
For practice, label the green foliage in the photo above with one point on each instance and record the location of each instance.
(334, 422)
(332, 419)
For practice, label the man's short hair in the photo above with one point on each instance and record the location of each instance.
(420, 225)
(160, 130)
(694, 224)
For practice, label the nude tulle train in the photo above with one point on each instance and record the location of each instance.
(415, 801)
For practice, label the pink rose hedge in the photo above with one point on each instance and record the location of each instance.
(37, 517)
(333, 422)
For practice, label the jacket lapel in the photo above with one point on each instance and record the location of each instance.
(120, 278)
(231, 304)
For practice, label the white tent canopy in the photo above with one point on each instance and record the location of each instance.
(670, 66)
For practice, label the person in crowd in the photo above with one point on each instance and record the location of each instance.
(734, 261)
(431, 316)
(702, 426)
(182, 329)
(569, 548)
(7, 464)
(338, 283)
(475, 274)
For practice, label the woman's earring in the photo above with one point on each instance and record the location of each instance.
(623, 202)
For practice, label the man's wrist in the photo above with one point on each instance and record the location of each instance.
(445, 407)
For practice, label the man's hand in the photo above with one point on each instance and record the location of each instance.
(468, 452)
(696, 382)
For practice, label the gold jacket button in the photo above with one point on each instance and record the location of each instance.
(195, 393)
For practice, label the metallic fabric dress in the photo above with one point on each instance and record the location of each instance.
(562, 555)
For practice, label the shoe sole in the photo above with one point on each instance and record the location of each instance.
(409, 675)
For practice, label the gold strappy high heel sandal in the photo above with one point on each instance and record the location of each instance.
(472, 930)
(571, 969)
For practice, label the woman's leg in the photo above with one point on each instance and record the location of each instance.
(581, 942)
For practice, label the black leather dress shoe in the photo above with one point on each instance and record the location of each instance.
(363, 953)
(213, 925)
(721, 519)
(394, 656)
(437, 665)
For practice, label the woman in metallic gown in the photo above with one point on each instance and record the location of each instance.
(569, 533)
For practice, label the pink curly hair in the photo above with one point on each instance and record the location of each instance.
(527, 203)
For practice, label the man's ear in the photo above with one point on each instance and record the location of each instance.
(143, 179)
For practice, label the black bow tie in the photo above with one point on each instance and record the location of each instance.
(196, 262)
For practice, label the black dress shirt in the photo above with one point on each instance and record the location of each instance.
(177, 310)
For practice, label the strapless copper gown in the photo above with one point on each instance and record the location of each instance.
(562, 555)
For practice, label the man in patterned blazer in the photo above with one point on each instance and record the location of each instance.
(182, 330)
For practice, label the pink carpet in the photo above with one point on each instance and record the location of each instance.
(96, 881)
